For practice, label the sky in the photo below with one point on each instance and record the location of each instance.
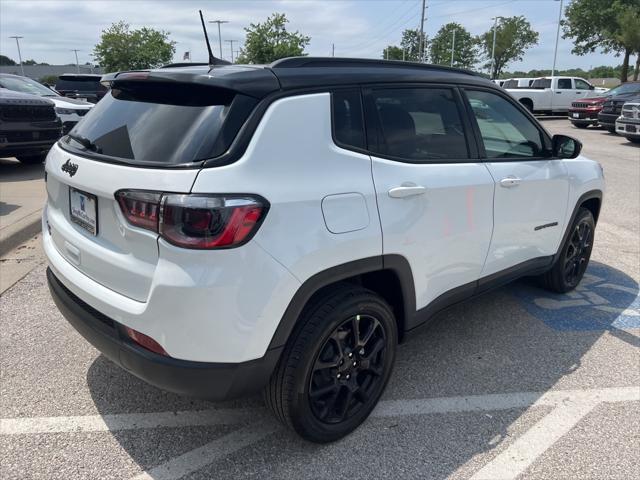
(357, 28)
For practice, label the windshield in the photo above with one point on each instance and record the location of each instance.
(26, 85)
(624, 88)
(162, 124)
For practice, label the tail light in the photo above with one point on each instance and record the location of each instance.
(145, 341)
(195, 221)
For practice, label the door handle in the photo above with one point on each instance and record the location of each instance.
(510, 182)
(407, 190)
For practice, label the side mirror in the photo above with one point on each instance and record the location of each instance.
(565, 147)
(591, 87)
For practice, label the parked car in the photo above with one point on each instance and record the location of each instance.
(83, 86)
(517, 83)
(612, 107)
(628, 124)
(585, 112)
(554, 94)
(28, 126)
(242, 249)
(69, 110)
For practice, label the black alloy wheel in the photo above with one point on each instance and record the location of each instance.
(348, 369)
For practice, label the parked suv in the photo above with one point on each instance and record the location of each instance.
(584, 112)
(628, 123)
(28, 126)
(81, 86)
(612, 107)
(219, 230)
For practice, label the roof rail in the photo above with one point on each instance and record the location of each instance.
(297, 62)
(185, 64)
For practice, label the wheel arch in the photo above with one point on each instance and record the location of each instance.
(389, 276)
(591, 200)
(527, 102)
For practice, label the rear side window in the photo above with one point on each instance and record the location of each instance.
(541, 83)
(161, 124)
(348, 126)
(81, 85)
(564, 83)
(419, 125)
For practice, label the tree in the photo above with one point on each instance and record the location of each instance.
(31, 61)
(392, 52)
(123, 49)
(6, 61)
(267, 42)
(410, 43)
(48, 80)
(513, 36)
(465, 53)
(610, 26)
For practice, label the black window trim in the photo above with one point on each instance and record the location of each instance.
(374, 134)
(546, 138)
(352, 148)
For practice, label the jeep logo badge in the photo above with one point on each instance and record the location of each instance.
(70, 168)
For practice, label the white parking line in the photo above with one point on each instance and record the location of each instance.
(201, 457)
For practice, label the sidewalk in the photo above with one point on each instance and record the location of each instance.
(22, 196)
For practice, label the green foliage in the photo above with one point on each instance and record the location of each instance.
(602, 71)
(514, 36)
(48, 79)
(465, 53)
(410, 43)
(267, 42)
(6, 61)
(609, 26)
(392, 52)
(31, 61)
(123, 49)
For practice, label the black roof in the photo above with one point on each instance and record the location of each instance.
(303, 72)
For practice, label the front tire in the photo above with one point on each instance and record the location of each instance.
(336, 364)
(633, 139)
(32, 159)
(581, 125)
(566, 273)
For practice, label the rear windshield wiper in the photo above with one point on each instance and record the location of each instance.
(85, 142)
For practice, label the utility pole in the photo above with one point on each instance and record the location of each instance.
(555, 52)
(19, 54)
(75, 50)
(493, 49)
(219, 34)
(422, 42)
(333, 49)
(453, 46)
(231, 42)
(404, 50)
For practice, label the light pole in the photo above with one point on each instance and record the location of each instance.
(219, 34)
(231, 42)
(421, 46)
(453, 45)
(19, 54)
(555, 52)
(493, 49)
(75, 50)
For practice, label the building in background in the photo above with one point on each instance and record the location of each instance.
(38, 72)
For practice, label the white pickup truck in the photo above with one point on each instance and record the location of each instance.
(554, 94)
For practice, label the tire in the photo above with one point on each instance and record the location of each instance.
(633, 139)
(567, 271)
(528, 105)
(325, 384)
(32, 159)
(610, 129)
(581, 125)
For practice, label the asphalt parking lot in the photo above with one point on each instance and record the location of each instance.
(518, 383)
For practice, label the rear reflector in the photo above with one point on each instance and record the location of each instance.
(145, 341)
(195, 221)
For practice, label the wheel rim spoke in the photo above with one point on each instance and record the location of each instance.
(578, 251)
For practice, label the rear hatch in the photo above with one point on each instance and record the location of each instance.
(144, 135)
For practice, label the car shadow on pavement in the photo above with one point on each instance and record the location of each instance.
(519, 338)
(13, 171)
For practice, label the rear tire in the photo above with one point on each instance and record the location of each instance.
(32, 159)
(633, 140)
(335, 365)
(528, 104)
(581, 125)
(610, 129)
(567, 271)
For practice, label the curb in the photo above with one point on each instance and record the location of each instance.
(13, 235)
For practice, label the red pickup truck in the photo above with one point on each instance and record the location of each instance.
(584, 112)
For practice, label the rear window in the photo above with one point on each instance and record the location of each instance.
(80, 84)
(542, 83)
(161, 124)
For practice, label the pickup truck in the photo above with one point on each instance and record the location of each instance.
(554, 94)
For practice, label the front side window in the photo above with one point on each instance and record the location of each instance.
(348, 126)
(506, 131)
(419, 125)
(564, 83)
(582, 85)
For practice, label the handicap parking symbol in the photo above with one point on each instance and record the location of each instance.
(605, 298)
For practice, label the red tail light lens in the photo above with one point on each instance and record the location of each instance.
(145, 341)
(199, 221)
(141, 209)
(195, 221)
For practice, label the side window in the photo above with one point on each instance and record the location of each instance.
(506, 131)
(564, 84)
(348, 128)
(582, 85)
(419, 124)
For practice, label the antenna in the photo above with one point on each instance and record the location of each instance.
(212, 59)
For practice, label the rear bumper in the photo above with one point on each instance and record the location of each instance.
(213, 381)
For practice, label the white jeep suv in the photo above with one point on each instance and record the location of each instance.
(221, 230)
